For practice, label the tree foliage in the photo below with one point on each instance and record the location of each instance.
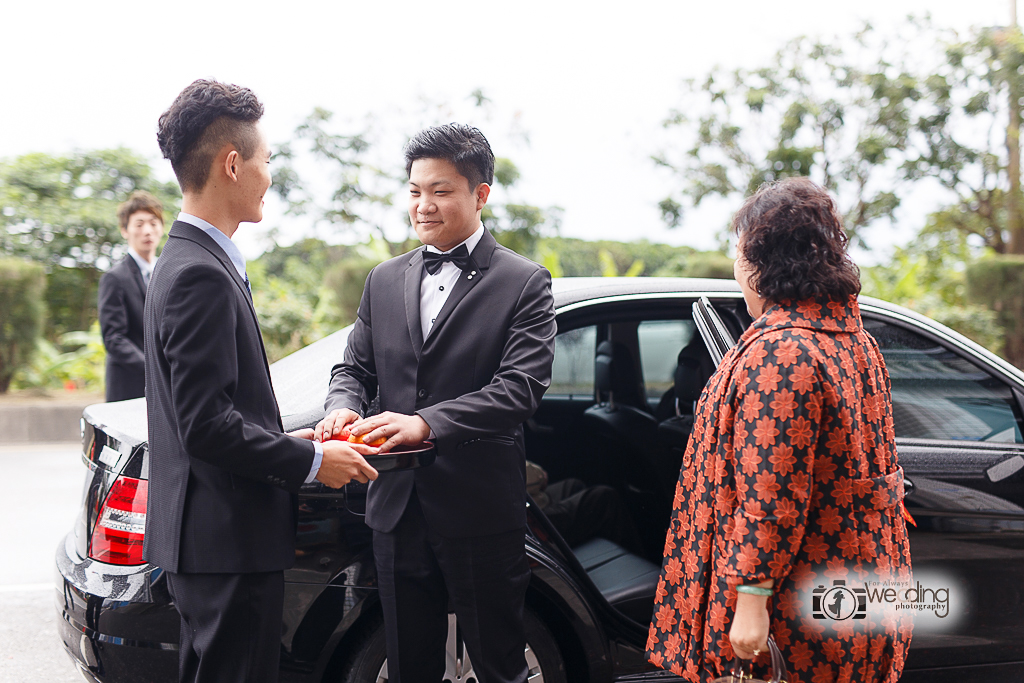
(21, 315)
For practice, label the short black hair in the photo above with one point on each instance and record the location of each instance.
(464, 147)
(204, 117)
(791, 233)
(140, 200)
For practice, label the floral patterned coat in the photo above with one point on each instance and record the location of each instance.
(790, 474)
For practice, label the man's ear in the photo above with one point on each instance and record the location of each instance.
(482, 192)
(231, 162)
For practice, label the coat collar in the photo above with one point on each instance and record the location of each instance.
(187, 231)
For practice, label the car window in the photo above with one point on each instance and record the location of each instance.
(660, 343)
(938, 394)
(572, 373)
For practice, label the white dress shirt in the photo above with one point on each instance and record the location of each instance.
(434, 289)
(145, 266)
(233, 253)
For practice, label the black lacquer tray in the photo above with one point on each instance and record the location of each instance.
(404, 457)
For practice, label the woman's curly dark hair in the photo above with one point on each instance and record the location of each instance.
(791, 234)
(203, 117)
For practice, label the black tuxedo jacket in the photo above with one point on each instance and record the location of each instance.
(222, 476)
(122, 300)
(478, 375)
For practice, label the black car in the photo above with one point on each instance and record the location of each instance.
(632, 356)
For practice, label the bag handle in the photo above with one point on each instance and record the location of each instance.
(743, 669)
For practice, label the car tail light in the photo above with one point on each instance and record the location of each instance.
(121, 527)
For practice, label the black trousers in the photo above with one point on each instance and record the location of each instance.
(230, 626)
(485, 577)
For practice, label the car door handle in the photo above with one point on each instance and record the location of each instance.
(1005, 469)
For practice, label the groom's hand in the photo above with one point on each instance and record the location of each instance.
(395, 427)
(332, 425)
(343, 462)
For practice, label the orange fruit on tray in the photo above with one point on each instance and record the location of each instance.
(346, 435)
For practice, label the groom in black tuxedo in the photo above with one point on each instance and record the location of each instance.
(456, 338)
(222, 477)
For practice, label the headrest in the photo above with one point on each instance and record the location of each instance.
(615, 371)
(693, 371)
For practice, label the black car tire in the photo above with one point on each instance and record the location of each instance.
(370, 651)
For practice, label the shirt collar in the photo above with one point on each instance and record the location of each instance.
(230, 248)
(144, 265)
(470, 242)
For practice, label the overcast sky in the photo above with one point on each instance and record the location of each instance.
(589, 82)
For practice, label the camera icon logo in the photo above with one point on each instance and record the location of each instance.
(839, 602)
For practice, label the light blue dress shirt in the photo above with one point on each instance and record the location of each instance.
(238, 261)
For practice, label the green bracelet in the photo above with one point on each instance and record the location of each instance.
(755, 590)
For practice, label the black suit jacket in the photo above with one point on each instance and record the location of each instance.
(222, 476)
(122, 300)
(475, 379)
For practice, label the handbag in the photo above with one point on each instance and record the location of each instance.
(742, 669)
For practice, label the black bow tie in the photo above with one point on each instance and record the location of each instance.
(459, 256)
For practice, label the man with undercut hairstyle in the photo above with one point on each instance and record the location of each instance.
(223, 478)
(456, 339)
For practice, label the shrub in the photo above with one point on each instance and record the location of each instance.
(22, 286)
(998, 282)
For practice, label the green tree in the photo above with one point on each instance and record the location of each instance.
(837, 110)
(60, 211)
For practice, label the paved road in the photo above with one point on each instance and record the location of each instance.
(40, 491)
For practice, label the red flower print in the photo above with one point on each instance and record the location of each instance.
(661, 593)
(673, 571)
(747, 559)
(782, 459)
(725, 500)
(787, 352)
(827, 344)
(717, 618)
(836, 443)
(868, 547)
(849, 543)
(703, 516)
(809, 309)
(766, 487)
(815, 548)
(750, 460)
(672, 645)
(752, 406)
(824, 470)
(800, 656)
(833, 650)
(784, 405)
(786, 512)
(779, 564)
(843, 491)
(859, 647)
(778, 316)
(682, 600)
(788, 603)
(768, 379)
(799, 485)
(837, 309)
(800, 432)
(755, 355)
(836, 569)
(823, 673)
(765, 432)
(767, 537)
(829, 519)
(802, 378)
(666, 618)
(656, 658)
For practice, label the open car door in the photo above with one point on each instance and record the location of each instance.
(716, 335)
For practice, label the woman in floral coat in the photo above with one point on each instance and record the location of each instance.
(790, 487)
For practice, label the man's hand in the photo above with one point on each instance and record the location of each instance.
(343, 462)
(334, 422)
(396, 428)
(306, 434)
